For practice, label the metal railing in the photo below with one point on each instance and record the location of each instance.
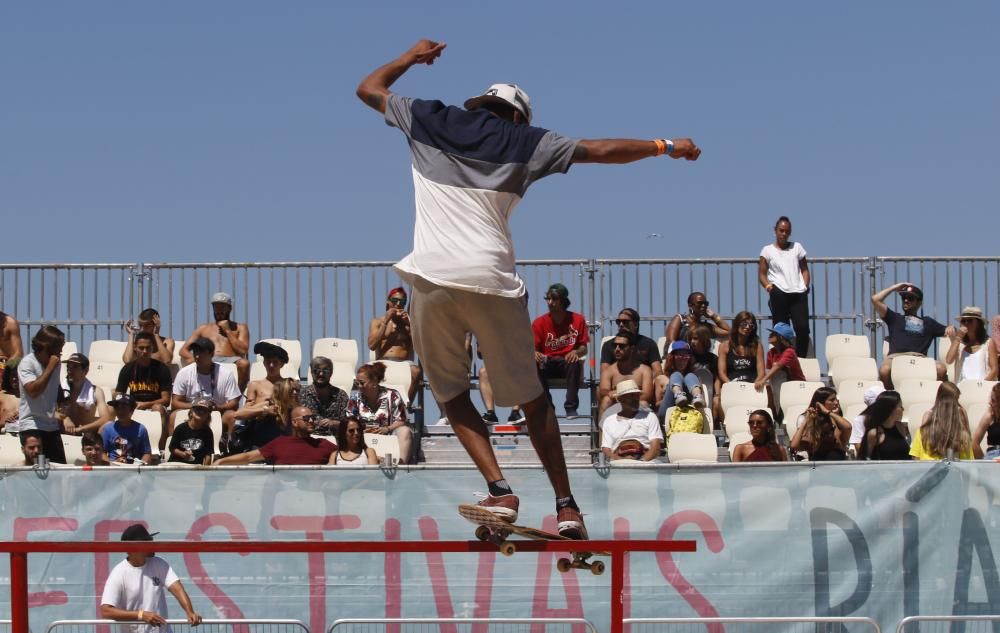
(310, 300)
(750, 624)
(182, 626)
(463, 625)
(948, 624)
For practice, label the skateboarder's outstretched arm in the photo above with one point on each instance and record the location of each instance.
(620, 150)
(374, 88)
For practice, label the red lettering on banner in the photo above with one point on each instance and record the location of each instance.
(23, 527)
(393, 576)
(543, 578)
(314, 526)
(439, 581)
(192, 560)
(713, 538)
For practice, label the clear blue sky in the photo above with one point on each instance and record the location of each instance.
(194, 131)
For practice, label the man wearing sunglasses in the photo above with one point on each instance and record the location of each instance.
(390, 338)
(625, 367)
(646, 351)
(298, 449)
(909, 333)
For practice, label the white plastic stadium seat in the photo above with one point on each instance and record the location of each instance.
(73, 448)
(736, 439)
(943, 343)
(342, 350)
(107, 351)
(853, 368)
(737, 417)
(792, 414)
(904, 367)
(742, 394)
(343, 375)
(852, 411)
(913, 414)
(154, 426)
(975, 391)
(397, 375)
(105, 363)
(692, 448)
(810, 369)
(383, 445)
(914, 390)
(797, 392)
(851, 392)
(838, 345)
(661, 344)
(10, 450)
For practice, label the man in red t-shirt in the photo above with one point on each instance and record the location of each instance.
(298, 449)
(561, 339)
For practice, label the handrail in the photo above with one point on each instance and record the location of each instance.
(181, 621)
(760, 620)
(900, 628)
(571, 621)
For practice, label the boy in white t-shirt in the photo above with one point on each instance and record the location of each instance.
(134, 591)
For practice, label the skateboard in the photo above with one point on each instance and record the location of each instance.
(492, 529)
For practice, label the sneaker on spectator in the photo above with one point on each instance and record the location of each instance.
(516, 416)
(504, 506)
(571, 524)
(571, 413)
(680, 398)
(698, 402)
(490, 416)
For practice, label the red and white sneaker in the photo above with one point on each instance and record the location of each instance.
(571, 524)
(503, 507)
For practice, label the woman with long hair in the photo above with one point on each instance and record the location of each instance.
(351, 447)
(762, 447)
(989, 426)
(823, 432)
(286, 398)
(741, 357)
(379, 408)
(970, 351)
(944, 432)
(886, 436)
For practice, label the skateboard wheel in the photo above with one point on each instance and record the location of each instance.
(508, 549)
(483, 533)
(597, 568)
(563, 565)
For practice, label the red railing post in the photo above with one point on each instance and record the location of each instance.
(617, 591)
(19, 592)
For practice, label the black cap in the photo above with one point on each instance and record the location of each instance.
(203, 344)
(270, 350)
(122, 398)
(912, 290)
(78, 359)
(137, 532)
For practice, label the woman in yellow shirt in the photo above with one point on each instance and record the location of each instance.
(945, 428)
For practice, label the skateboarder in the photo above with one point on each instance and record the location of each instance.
(470, 169)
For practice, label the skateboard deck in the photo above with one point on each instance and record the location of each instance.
(492, 529)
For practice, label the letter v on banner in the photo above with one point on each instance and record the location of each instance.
(439, 581)
(543, 581)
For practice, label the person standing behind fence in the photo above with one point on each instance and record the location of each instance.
(784, 274)
(38, 374)
(134, 591)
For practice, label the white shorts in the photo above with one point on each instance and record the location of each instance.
(439, 319)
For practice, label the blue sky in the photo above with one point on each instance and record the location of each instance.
(229, 131)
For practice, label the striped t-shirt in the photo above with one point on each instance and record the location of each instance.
(470, 169)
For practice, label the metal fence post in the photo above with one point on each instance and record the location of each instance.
(871, 322)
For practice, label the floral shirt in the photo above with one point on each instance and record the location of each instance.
(387, 410)
(335, 409)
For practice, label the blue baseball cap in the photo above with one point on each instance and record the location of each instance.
(783, 330)
(679, 346)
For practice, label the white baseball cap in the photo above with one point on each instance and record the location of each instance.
(507, 94)
(222, 297)
(871, 393)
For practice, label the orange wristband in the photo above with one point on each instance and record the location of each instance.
(661, 146)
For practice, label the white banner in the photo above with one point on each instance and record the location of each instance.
(867, 539)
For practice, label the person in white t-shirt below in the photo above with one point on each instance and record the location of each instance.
(784, 274)
(205, 377)
(135, 590)
(633, 433)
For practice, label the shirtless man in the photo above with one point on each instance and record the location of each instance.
(149, 321)
(257, 421)
(232, 339)
(389, 337)
(11, 347)
(627, 366)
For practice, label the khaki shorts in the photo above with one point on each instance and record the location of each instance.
(439, 319)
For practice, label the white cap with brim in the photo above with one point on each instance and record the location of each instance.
(506, 94)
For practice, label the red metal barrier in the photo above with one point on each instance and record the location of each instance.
(19, 551)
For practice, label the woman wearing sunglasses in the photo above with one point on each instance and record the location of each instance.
(351, 447)
(762, 447)
(970, 351)
(699, 313)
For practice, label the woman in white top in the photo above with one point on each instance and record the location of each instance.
(784, 274)
(974, 357)
(351, 447)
